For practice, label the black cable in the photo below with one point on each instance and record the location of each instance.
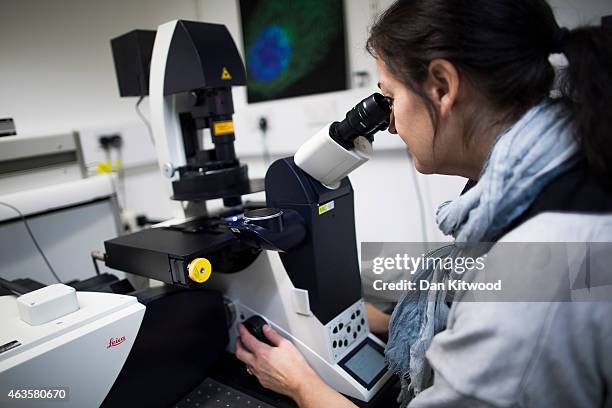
(263, 127)
(144, 119)
(116, 192)
(419, 198)
(97, 256)
(25, 222)
(95, 262)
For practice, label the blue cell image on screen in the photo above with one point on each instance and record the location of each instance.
(293, 48)
(270, 54)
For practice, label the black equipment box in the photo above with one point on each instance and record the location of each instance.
(132, 55)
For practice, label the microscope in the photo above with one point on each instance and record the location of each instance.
(292, 262)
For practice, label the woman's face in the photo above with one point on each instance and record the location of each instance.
(410, 119)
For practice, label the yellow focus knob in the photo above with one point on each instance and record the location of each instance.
(200, 270)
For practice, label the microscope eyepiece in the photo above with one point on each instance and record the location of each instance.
(366, 118)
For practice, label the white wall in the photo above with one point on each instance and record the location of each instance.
(57, 74)
(571, 13)
(56, 69)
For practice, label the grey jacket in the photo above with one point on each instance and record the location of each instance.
(527, 354)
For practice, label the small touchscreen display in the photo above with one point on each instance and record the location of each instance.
(367, 363)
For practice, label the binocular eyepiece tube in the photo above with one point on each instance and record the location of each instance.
(340, 147)
(367, 117)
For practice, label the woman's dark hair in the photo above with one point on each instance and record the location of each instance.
(502, 48)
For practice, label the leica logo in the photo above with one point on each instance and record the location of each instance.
(115, 341)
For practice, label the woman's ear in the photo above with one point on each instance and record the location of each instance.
(442, 85)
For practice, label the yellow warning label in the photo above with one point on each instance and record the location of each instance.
(104, 167)
(225, 75)
(223, 128)
(326, 207)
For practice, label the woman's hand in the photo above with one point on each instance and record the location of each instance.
(377, 320)
(280, 367)
(283, 369)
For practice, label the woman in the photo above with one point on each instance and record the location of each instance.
(470, 83)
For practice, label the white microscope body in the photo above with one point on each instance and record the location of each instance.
(341, 349)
